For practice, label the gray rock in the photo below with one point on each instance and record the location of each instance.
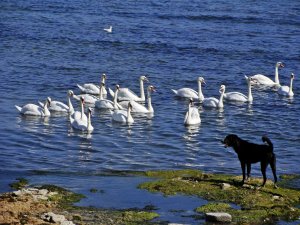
(218, 217)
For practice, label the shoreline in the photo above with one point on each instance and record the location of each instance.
(34, 205)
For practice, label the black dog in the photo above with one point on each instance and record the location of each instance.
(249, 153)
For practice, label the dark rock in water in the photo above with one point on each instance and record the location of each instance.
(218, 217)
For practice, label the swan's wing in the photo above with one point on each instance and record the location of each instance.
(119, 116)
(58, 106)
(210, 102)
(127, 93)
(104, 104)
(283, 90)
(235, 96)
(138, 108)
(262, 80)
(187, 93)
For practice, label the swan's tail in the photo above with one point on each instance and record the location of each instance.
(174, 91)
(18, 108)
(41, 104)
(266, 139)
(80, 87)
(111, 92)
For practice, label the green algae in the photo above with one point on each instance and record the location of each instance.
(258, 205)
(19, 184)
(136, 217)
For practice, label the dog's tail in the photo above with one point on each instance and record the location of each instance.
(266, 139)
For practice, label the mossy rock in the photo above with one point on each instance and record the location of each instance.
(64, 197)
(137, 217)
(257, 204)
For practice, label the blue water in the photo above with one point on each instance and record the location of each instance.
(47, 47)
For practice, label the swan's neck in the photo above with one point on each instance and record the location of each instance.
(102, 80)
(46, 110)
(200, 94)
(89, 123)
(82, 109)
(116, 99)
(142, 90)
(129, 117)
(189, 117)
(101, 92)
(250, 97)
(150, 108)
(276, 75)
(71, 109)
(291, 87)
(220, 104)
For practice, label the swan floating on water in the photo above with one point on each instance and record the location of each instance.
(138, 107)
(83, 125)
(192, 116)
(80, 114)
(93, 89)
(287, 91)
(125, 94)
(60, 107)
(123, 116)
(263, 80)
(212, 102)
(107, 104)
(35, 110)
(239, 97)
(108, 30)
(190, 93)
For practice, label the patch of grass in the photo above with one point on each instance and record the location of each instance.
(19, 184)
(257, 204)
(132, 217)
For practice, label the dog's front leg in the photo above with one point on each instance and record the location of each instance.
(248, 171)
(243, 165)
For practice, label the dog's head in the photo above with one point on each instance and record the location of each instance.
(230, 140)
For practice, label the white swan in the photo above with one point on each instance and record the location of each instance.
(83, 125)
(88, 98)
(263, 80)
(190, 93)
(125, 94)
(239, 97)
(108, 30)
(107, 104)
(192, 116)
(123, 116)
(213, 102)
(93, 89)
(80, 114)
(35, 110)
(287, 91)
(139, 108)
(57, 106)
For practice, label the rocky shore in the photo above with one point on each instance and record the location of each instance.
(228, 201)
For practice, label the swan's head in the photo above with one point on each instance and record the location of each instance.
(117, 87)
(49, 100)
(151, 88)
(103, 76)
(90, 110)
(222, 88)
(279, 65)
(292, 76)
(143, 78)
(191, 101)
(82, 100)
(70, 93)
(201, 80)
(129, 105)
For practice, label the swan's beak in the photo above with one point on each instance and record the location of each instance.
(281, 65)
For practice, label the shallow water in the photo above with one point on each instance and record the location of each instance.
(48, 47)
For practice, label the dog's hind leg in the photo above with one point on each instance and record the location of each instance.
(248, 171)
(263, 167)
(243, 165)
(273, 167)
